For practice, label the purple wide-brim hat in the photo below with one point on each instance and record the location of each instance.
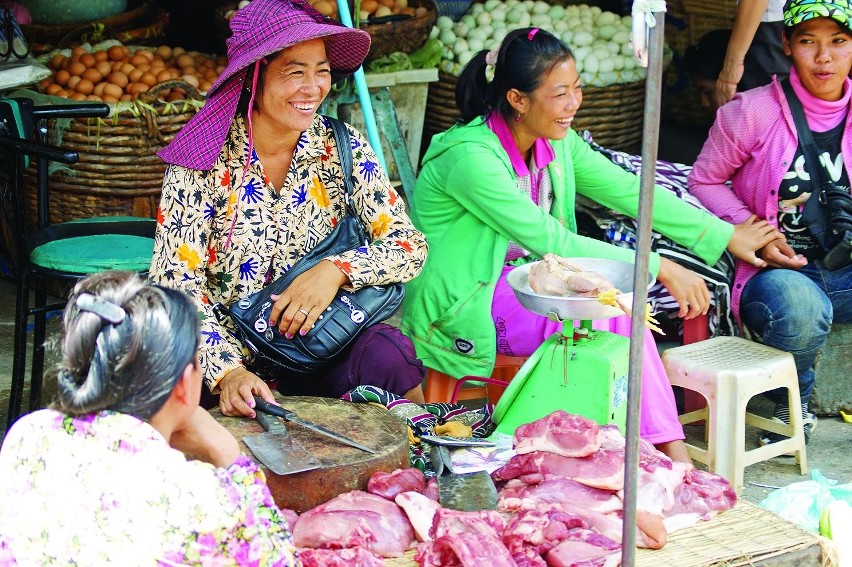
(260, 29)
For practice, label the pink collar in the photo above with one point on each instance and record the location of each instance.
(543, 152)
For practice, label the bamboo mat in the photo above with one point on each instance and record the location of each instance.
(744, 535)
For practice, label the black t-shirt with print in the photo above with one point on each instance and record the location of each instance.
(796, 188)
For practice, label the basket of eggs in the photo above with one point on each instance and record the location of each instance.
(152, 92)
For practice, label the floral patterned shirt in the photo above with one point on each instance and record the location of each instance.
(106, 489)
(225, 233)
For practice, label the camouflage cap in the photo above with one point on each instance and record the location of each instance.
(798, 11)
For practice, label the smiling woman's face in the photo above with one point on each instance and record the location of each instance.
(821, 50)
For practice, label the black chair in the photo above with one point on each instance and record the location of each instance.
(46, 253)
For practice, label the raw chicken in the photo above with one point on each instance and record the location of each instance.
(559, 432)
(555, 275)
(389, 484)
(350, 557)
(420, 510)
(356, 519)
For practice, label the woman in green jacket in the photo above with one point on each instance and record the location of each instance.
(499, 190)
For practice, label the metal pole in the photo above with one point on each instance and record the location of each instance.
(364, 94)
(650, 138)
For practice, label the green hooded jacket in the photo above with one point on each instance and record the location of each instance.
(467, 203)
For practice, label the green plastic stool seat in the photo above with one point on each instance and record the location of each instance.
(92, 254)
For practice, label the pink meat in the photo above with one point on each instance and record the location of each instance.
(389, 484)
(603, 469)
(532, 533)
(420, 510)
(356, 518)
(702, 493)
(517, 495)
(350, 557)
(291, 516)
(578, 553)
(464, 550)
(559, 432)
(452, 522)
(431, 490)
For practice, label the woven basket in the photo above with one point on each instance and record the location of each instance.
(703, 16)
(402, 35)
(454, 9)
(613, 114)
(118, 173)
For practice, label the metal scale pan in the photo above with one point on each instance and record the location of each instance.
(589, 376)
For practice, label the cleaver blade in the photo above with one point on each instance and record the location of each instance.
(277, 449)
(466, 492)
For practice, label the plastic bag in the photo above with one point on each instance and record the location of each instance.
(803, 502)
(17, 67)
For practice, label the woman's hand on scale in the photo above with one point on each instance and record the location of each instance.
(751, 236)
(686, 287)
(301, 304)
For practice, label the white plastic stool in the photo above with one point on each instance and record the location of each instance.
(728, 372)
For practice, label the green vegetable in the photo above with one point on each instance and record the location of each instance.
(429, 55)
(390, 63)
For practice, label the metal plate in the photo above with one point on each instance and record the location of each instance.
(281, 453)
(576, 308)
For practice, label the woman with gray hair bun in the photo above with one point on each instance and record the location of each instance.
(104, 477)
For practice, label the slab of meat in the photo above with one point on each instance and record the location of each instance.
(602, 469)
(559, 432)
(420, 510)
(389, 484)
(350, 557)
(356, 518)
(452, 522)
(585, 548)
(532, 533)
(702, 494)
(291, 516)
(431, 490)
(554, 490)
(464, 550)
(555, 275)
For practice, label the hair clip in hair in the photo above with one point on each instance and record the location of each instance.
(532, 33)
(491, 57)
(106, 310)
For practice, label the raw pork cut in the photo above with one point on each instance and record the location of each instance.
(356, 518)
(420, 510)
(561, 433)
(464, 550)
(389, 484)
(532, 533)
(702, 493)
(585, 548)
(350, 557)
(555, 275)
(517, 495)
(431, 490)
(602, 469)
(452, 522)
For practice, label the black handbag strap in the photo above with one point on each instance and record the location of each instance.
(806, 138)
(344, 150)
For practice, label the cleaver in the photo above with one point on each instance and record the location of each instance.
(277, 449)
(467, 492)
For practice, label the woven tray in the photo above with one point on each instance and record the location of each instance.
(744, 535)
(613, 114)
(703, 16)
(118, 173)
(402, 35)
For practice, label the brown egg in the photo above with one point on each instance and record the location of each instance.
(116, 52)
(78, 50)
(125, 97)
(62, 77)
(77, 96)
(99, 89)
(94, 98)
(43, 84)
(163, 75)
(146, 54)
(164, 51)
(185, 61)
(72, 82)
(191, 79)
(93, 75)
(135, 88)
(113, 91)
(56, 61)
(85, 86)
(100, 55)
(134, 75)
(118, 78)
(53, 88)
(139, 59)
(88, 59)
(175, 95)
(104, 68)
(126, 68)
(148, 79)
(76, 69)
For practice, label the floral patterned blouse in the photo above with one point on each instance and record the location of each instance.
(225, 233)
(107, 489)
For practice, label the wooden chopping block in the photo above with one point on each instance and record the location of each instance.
(344, 468)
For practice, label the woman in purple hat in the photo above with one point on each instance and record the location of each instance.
(254, 182)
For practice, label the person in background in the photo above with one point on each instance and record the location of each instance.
(791, 300)
(704, 62)
(499, 191)
(254, 182)
(754, 54)
(103, 478)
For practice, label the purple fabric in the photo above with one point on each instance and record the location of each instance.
(262, 28)
(381, 356)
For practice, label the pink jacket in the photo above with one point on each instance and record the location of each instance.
(751, 144)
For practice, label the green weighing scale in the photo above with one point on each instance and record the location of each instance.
(580, 370)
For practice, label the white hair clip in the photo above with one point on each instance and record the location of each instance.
(106, 310)
(491, 57)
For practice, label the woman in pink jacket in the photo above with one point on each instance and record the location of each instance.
(791, 302)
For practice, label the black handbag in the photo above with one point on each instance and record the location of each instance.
(347, 315)
(828, 211)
